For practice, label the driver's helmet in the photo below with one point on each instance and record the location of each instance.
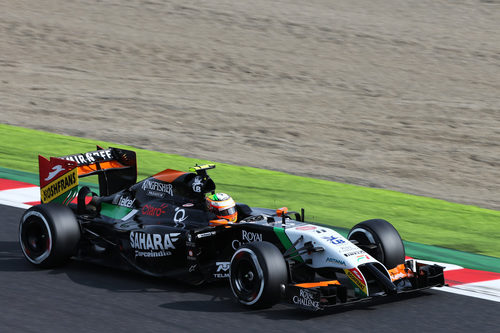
(223, 206)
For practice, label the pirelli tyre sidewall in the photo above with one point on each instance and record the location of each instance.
(390, 249)
(257, 273)
(48, 234)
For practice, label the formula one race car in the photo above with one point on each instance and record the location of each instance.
(161, 226)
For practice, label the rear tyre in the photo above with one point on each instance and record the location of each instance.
(48, 234)
(258, 271)
(387, 245)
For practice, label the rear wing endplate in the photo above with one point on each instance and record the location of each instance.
(115, 167)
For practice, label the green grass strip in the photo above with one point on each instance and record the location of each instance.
(418, 219)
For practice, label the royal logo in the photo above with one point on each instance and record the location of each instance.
(249, 236)
(306, 299)
(157, 189)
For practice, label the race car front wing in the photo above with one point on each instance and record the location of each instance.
(409, 277)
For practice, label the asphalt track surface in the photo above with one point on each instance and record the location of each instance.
(81, 297)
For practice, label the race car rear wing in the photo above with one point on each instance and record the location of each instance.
(116, 169)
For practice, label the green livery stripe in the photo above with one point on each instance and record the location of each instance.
(66, 197)
(114, 211)
(285, 241)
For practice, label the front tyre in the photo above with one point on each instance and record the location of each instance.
(48, 234)
(258, 271)
(380, 239)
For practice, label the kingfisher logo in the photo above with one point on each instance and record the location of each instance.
(157, 189)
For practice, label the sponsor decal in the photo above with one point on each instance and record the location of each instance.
(353, 253)
(59, 186)
(157, 189)
(91, 157)
(222, 269)
(197, 184)
(151, 210)
(56, 169)
(362, 257)
(305, 299)
(153, 245)
(335, 261)
(188, 205)
(180, 217)
(355, 276)
(126, 202)
(235, 244)
(205, 234)
(334, 240)
(249, 236)
(306, 227)
(246, 237)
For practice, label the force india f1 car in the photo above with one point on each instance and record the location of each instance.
(161, 226)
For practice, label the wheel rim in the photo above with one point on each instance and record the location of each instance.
(35, 237)
(246, 277)
(365, 237)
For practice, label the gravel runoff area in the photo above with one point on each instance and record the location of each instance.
(402, 95)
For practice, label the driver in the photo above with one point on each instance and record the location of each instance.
(223, 206)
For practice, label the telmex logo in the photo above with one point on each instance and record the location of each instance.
(59, 186)
(222, 270)
(223, 266)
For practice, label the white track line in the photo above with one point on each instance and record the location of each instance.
(21, 195)
(488, 290)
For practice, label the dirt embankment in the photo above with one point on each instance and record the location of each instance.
(390, 94)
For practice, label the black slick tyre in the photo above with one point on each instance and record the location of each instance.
(386, 243)
(258, 271)
(48, 234)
